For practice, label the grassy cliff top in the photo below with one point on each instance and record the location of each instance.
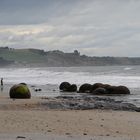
(21, 55)
(36, 57)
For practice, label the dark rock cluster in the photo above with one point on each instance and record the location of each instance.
(66, 86)
(95, 89)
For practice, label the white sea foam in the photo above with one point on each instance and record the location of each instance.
(128, 68)
(48, 79)
(43, 76)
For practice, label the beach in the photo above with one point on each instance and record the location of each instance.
(54, 115)
(69, 70)
(27, 118)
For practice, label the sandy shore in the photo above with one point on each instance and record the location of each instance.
(28, 119)
(94, 123)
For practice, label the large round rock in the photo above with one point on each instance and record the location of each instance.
(72, 88)
(85, 88)
(118, 90)
(100, 91)
(20, 91)
(95, 86)
(64, 86)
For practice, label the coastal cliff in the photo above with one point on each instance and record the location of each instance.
(37, 57)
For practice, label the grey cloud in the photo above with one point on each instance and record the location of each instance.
(94, 27)
(15, 12)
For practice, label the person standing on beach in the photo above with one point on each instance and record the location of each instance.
(1, 84)
(1, 81)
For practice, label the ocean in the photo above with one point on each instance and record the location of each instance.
(49, 78)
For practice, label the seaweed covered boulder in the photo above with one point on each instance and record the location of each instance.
(20, 91)
(85, 88)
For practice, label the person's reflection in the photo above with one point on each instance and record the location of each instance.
(1, 88)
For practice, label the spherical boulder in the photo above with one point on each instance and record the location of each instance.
(100, 91)
(85, 88)
(72, 88)
(23, 83)
(111, 89)
(95, 86)
(64, 86)
(106, 86)
(20, 91)
(118, 90)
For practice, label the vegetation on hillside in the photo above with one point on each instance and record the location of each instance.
(37, 57)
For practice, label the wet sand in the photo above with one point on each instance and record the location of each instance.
(28, 119)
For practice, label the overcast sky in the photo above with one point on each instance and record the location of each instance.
(94, 27)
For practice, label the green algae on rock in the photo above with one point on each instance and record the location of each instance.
(20, 91)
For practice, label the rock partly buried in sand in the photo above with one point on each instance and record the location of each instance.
(85, 88)
(108, 89)
(72, 88)
(103, 89)
(118, 90)
(99, 85)
(97, 88)
(20, 91)
(66, 86)
(99, 91)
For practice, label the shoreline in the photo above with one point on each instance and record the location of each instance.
(52, 91)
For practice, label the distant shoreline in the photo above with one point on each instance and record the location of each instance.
(56, 58)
